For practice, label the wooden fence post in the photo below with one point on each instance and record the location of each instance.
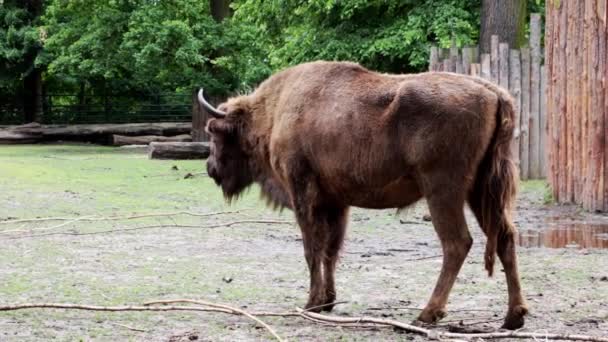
(503, 65)
(524, 154)
(434, 58)
(486, 69)
(475, 69)
(562, 63)
(543, 155)
(494, 58)
(515, 89)
(467, 60)
(454, 54)
(535, 96)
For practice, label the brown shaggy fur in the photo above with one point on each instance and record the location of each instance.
(323, 136)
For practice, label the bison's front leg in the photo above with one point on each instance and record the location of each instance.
(322, 233)
(322, 224)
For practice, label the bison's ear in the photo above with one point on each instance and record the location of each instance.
(220, 126)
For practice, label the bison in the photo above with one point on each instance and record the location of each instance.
(321, 137)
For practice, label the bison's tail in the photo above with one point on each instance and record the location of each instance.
(496, 182)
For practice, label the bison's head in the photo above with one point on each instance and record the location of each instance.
(228, 163)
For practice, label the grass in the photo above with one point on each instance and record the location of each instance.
(90, 180)
(538, 186)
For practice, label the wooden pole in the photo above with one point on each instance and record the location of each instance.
(486, 69)
(454, 53)
(467, 60)
(543, 123)
(596, 124)
(434, 58)
(515, 89)
(524, 152)
(604, 64)
(570, 100)
(601, 107)
(578, 108)
(548, 90)
(561, 64)
(503, 65)
(475, 70)
(554, 98)
(535, 96)
(494, 53)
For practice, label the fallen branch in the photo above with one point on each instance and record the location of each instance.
(67, 223)
(181, 226)
(231, 309)
(433, 334)
(117, 218)
(424, 258)
(350, 322)
(128, 327)
(210, 307)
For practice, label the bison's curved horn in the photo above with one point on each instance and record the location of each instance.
(216, 113)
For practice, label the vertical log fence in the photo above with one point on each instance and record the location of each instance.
(523, 74)
(577, 101)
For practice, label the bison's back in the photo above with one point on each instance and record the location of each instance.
(363, 130)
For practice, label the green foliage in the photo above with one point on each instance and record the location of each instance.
(19, 44)
(147, 46)
(155, 46)
(384, 35)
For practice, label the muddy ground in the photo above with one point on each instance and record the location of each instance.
(388, 267)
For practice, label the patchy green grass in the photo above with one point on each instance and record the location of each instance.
(539, 187)
(93, 180)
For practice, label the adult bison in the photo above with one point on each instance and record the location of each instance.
(323, 136)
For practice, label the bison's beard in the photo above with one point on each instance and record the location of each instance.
(233, 181)
(233, 187)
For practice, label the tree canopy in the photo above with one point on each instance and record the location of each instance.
(151, 46)
(390, 35)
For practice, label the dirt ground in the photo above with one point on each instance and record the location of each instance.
(388, 267)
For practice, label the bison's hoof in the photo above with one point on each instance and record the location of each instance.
(330, 298)
(515, 318)
(315, 306)
(430, 316)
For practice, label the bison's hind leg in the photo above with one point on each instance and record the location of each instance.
(447, 209)
(506, 253)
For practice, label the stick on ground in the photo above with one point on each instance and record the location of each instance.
(346, 322)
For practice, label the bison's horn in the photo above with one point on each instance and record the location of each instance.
(218, 114)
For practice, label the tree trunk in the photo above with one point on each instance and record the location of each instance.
(505, 18)
(220, 9)
(32, 97)
(32, 83)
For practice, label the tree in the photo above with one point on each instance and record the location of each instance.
(146, 46)
(392, 36)
(20, 46)
(507, 19)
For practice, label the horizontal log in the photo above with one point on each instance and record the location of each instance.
(121, 140)
(99, 133)
(9, 137)
(178, 150)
